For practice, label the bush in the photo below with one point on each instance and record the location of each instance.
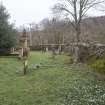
(5, 51)
(97, 63)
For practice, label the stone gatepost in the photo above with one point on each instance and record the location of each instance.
(24, 50)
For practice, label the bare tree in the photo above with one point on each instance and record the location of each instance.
(76, 10)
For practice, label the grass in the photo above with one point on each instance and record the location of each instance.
(54, 83)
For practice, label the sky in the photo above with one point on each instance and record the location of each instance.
(28, 11)
(31, 11)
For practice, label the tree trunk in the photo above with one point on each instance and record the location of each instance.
(76, 48)
(76, 54)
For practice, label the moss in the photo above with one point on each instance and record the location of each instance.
(97, 63)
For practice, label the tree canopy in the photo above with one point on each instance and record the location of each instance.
(7, 31)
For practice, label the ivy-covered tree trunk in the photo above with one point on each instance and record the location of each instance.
(76, 47)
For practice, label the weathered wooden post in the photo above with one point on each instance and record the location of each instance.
(24, 50)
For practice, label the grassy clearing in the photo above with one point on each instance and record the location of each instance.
(56, 84)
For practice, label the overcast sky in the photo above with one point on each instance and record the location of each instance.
(28, 11)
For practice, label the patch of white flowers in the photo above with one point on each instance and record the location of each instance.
(86, 93)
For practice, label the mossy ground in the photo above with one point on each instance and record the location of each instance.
(97, 63)
(54, 83)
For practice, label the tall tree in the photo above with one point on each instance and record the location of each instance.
(7, 32)
(77, 10)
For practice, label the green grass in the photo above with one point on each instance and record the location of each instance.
(54, 83)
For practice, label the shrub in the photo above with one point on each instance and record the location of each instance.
(97, 63)
(5, 51)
